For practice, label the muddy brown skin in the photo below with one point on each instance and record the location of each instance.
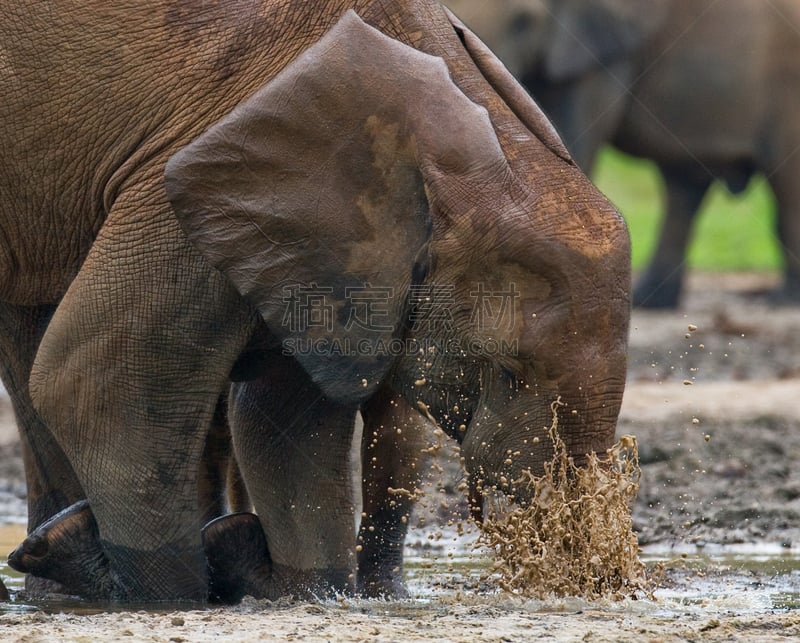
(205, 158)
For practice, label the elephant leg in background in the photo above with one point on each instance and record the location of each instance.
(51, 482)
(392, 454)
(220, 485)
(661, 284)
(786, 186)
(293, 447)
(127, 376)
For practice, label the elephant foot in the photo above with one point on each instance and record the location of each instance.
(237, 557)
(380, 568)
(66, 549)
(38, 587)
(382, 536)
(657, 294)
(387, 585)
(239, 565)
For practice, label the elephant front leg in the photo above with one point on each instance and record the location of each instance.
(392, 456)
(127, 376)
(293, 447)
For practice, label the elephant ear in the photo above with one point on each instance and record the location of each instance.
(592, 35)
(311, 197)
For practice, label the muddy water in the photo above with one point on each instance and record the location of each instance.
(748, 578)
(445, 569)
(744, 578)
(10, 537)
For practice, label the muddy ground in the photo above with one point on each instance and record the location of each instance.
(714, 400)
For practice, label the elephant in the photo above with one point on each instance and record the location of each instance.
(707, 90)
(319, 202)
(395, 443)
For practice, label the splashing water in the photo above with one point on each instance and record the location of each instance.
(575, 538)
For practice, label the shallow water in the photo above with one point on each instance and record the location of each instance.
(743, 578)
(444, 567)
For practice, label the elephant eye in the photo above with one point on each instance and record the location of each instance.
(420, 270)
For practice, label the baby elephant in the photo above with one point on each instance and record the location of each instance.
(360, 184)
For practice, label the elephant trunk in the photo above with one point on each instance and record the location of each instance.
(514, 433)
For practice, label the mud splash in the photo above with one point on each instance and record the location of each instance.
(576, 536)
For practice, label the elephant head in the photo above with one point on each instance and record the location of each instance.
(406, 215)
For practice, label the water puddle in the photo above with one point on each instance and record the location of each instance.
(746, 578)
(710, 579)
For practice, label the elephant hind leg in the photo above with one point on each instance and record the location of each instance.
(238, 497)
(220, 485)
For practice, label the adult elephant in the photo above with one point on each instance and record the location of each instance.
(179, 180)
(708, 90)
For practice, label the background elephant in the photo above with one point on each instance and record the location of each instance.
(292, 137)
(708, 90)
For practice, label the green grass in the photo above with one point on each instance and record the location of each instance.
(731, 233)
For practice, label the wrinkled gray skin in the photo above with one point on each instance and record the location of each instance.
(706, 89)
(194, 163)
(64, 555)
